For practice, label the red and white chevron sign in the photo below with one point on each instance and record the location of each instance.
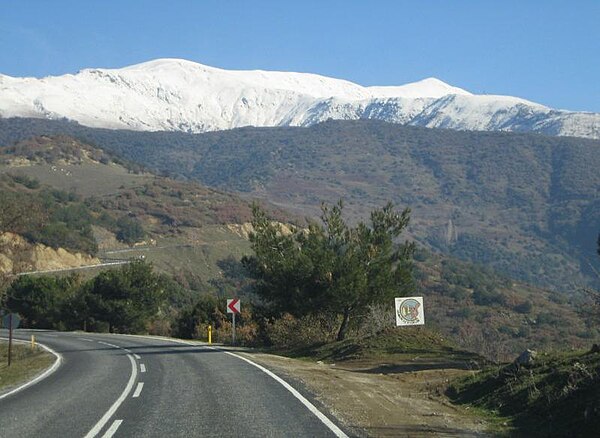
(233, 305)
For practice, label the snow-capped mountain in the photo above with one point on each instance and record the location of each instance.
(179, 95)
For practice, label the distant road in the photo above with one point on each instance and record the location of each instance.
(76, 268)
(110, 385)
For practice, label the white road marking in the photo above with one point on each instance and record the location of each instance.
(142, 368)
(100, 424)
(110, 432)
(87, 340)
(42, 376)
(137, 356)
(110, 345)
(53, 336)
(138, 390)
(312, 408)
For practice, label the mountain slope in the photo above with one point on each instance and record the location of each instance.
(525, 204)
(179, 95)
(62, 193)
(197, 235)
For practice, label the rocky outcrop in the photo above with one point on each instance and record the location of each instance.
(244, 230)
(17, 255)
(526, 358)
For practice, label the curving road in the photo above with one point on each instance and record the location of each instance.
(111, 385)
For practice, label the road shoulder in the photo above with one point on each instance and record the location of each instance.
(28, 366)
(380, 400)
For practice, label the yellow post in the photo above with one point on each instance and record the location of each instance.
(210, 334)
(32, 342)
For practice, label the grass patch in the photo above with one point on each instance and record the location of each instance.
(26, 364)
(559, 395)
(417, 345)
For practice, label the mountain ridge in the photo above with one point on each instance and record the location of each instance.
(181, 95)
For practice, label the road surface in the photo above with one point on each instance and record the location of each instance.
(111, 385)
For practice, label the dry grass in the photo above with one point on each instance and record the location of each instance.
(26, 364)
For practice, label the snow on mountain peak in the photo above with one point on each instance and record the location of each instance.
(426, 88)
(179, 95)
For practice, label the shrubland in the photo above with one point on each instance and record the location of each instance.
(523, 204)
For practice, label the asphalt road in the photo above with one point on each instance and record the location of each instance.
(111, 385)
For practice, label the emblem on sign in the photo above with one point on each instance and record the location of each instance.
(409, 311)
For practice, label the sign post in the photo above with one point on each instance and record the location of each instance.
(11, 322)
(410, 311)
(233, 307)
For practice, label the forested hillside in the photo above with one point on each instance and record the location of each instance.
(64, 193)
(526, 205)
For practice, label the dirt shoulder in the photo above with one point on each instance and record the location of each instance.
(383, 400)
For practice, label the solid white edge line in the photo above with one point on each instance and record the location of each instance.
(142, 368)
(113, 428)
(100, 424)
(312, 408)
(42, 376)
(138, 390)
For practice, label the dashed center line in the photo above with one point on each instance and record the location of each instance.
(137, 356)
(142, 368)
(138, 390)
(102, 422)
(87, 340)
(113, 428)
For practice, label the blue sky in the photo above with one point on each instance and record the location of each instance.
(545, 51)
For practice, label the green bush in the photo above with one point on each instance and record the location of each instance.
(525, 307)
(485, 297)
(130, 230)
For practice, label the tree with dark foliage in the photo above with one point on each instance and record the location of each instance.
(331, 267)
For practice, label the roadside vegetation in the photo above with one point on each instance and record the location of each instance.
(557, 395)
(26, 364)
(552, 394)
(331, 267)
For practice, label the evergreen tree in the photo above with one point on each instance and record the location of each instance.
(125, 298)
(331, 267)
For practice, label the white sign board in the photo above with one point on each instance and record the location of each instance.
(409, 311)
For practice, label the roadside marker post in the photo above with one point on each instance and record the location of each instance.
(32, 342)
(11, 322)
(233, 307)
(209, 334)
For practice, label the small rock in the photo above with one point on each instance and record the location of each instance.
(595, 348)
